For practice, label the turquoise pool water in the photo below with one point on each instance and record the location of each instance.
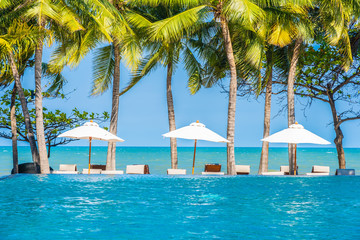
(162, 207)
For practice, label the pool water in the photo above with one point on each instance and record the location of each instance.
(165, 207)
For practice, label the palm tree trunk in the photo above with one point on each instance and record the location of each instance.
(40, 133)
(339, 135)
(171, 116)
(232, 97)
(19, 89)
(110, 159)
(264, 159)
(291, 98)
(14, 131)
(49, 148)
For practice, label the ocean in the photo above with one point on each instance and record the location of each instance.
(158, 158)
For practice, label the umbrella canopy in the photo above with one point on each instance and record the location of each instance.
(91, 130)
(295, 134)
(195, 131)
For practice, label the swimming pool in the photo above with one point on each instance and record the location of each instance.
(165, 207)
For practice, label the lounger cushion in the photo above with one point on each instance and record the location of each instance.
(273, 173)
(98, 166)
(65, 172)
(317, 174)
(176, 171)
(284, 169)
(112, 172)
(68, 167)
(212, 167)
(320, 169)
(212, 173)
(92, 171)
(136, 169)
(345, 172)
(242, 169)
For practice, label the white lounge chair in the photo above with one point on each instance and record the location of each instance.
(242, 169)
(285, 169)
(67, 169)
(137, 169)
(112, 172)
(92, 171)
(273, 173)
(319, 171)
(176, 171)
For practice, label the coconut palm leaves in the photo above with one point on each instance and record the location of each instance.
(335, 17)
(103, 69)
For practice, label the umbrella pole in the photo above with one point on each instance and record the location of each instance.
(295, 167)
(89, 154)
(194, 158)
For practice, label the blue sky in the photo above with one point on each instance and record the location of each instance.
(143, 110)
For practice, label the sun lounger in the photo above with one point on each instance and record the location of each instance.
(319, 171)
(273, 173)
(176, 171)
(98, 166)
(345, 172)
(212, 169)
(112, 172)
(137, 169)
(92, 171)
(242, 169)
(67, 169)
(285, 170)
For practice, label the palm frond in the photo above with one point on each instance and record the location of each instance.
(168, 3)
(131, 51)
(55, 78)
(175, 27)
(5, 4)
(147, 65)
(41, 9)
(244, 11)
(194, 70)
(103, 69)
(137, 20)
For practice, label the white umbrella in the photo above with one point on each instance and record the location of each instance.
(295, 134)
(195, 131)
(91, 131)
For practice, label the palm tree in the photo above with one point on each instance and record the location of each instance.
(24, 59)
(46, 12)
(246, 13)
(264, 158)
(39, 12)
(157, 23)
(18, 42)
(279, 32)
(104, 21)
(333, 18)
(107, 64)
(14, 131)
